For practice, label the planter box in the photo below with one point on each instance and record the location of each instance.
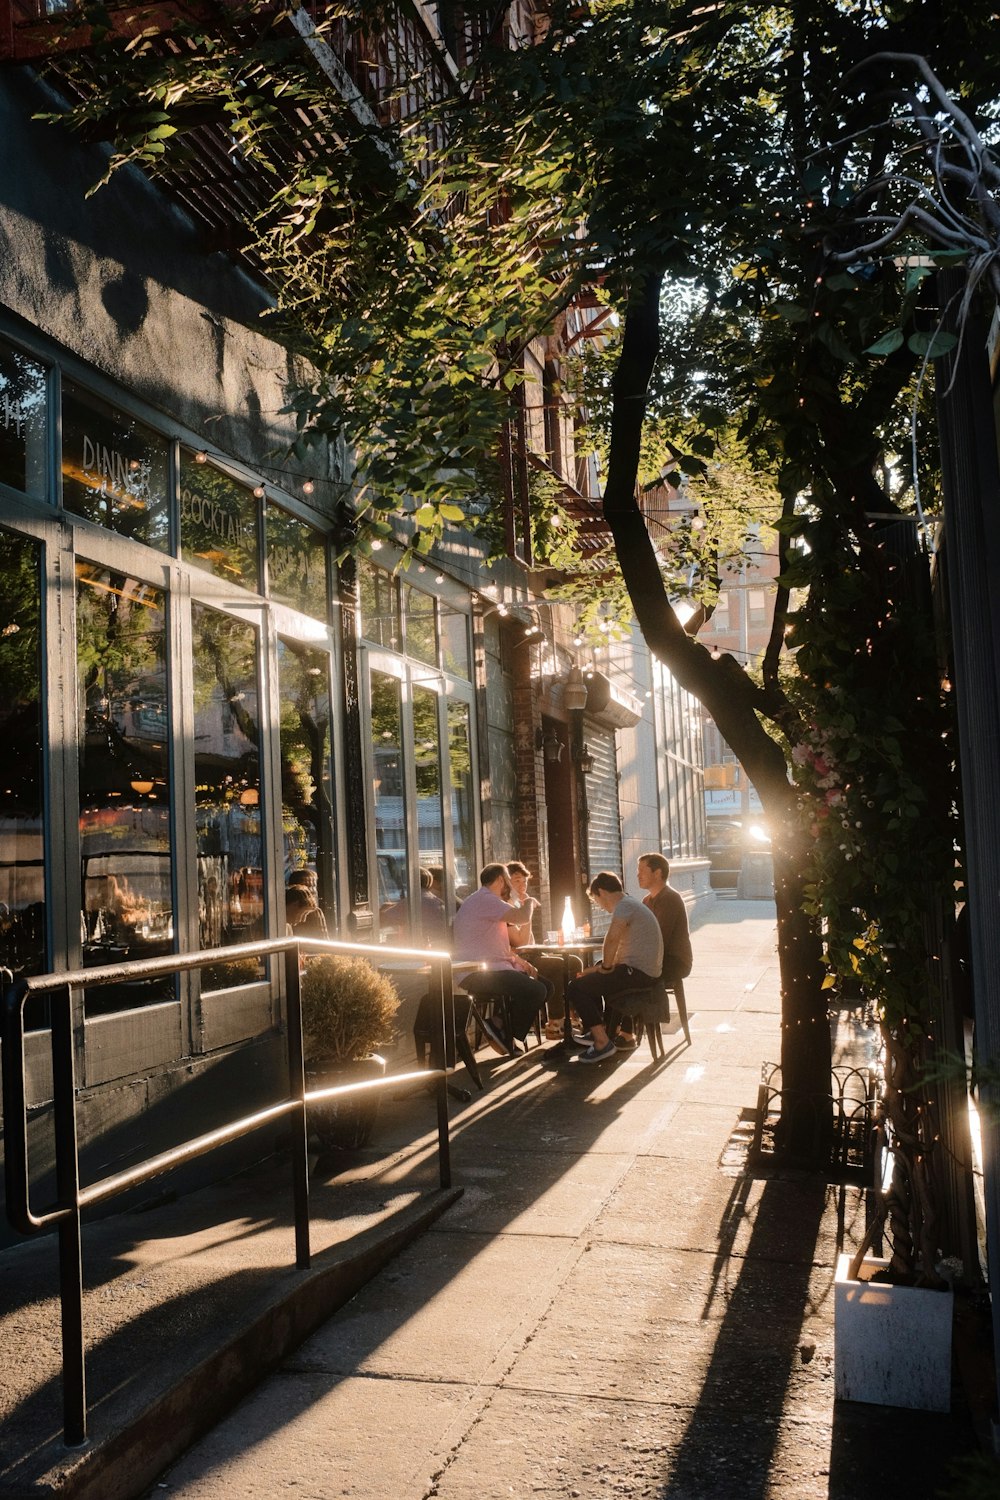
(346, 1123)
(892, 1344)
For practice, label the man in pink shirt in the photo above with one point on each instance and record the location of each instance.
(481, 936)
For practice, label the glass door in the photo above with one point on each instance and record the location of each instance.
(391, 834)
(125, 782)
(229, 849)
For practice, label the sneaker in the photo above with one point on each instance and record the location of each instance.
(599, 1054)
(582, 1039)
(625, 1042)
(494, 1036)
(553, 1030)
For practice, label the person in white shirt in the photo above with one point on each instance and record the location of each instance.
(482, 935)
(552, 969)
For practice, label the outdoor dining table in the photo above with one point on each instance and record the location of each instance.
(584, 949)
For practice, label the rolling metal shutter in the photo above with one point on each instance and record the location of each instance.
(604, 828)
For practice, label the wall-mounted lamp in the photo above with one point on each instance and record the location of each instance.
(575, 690)
(550, 744)
(585, 760)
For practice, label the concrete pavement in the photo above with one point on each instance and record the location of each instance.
(613, 1306)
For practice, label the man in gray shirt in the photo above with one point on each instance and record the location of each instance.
(632, 960)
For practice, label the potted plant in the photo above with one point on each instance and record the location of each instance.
(348, 1009)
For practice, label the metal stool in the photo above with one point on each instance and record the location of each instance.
(647, 1007)
(426, 1034)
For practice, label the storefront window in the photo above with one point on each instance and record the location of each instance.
(421, 638)
(462, 817)
(22, 422)
(379, 609)
(306, 771)
(431, 927)
(390, 820)
(230, 846)
(125, 845)
(219, 523)
(114, 469)
(454, 641)
(23, 946)
(296, 563)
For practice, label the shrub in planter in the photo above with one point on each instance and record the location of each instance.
(348, 1009)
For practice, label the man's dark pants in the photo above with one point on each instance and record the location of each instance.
(525, 995)
(587, 995)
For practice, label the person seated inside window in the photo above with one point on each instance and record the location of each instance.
(303, 917)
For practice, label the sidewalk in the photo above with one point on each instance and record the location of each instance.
(611, 1307)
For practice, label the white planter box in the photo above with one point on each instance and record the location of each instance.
(892, 1344)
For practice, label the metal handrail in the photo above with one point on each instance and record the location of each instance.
(71, 1198)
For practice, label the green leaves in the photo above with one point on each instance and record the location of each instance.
(888, 343)
(923, 342)
(931, 344)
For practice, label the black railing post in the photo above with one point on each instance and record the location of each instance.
(300, 1126)
(15, 1112)
(440, 980)
(68, 1196)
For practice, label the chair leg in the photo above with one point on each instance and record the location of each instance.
(498, 1003)
(655, 1039)
(467, 1055)
(508, 1026)
(682, 1009)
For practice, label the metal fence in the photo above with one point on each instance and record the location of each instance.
(72, 1197)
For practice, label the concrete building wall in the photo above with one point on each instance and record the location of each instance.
(121, 280)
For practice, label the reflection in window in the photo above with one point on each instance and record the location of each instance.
(296, 563)
(230, 846)
(306, 772)
(430, 816)
(462, 805)
(219, 524)
(390, 825)
(454, 641)
(379, 608)
(127, 867)
(22, 422)
(23, 948)
(421, 640)
(114, 469)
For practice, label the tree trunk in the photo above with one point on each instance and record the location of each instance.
(735, 703)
